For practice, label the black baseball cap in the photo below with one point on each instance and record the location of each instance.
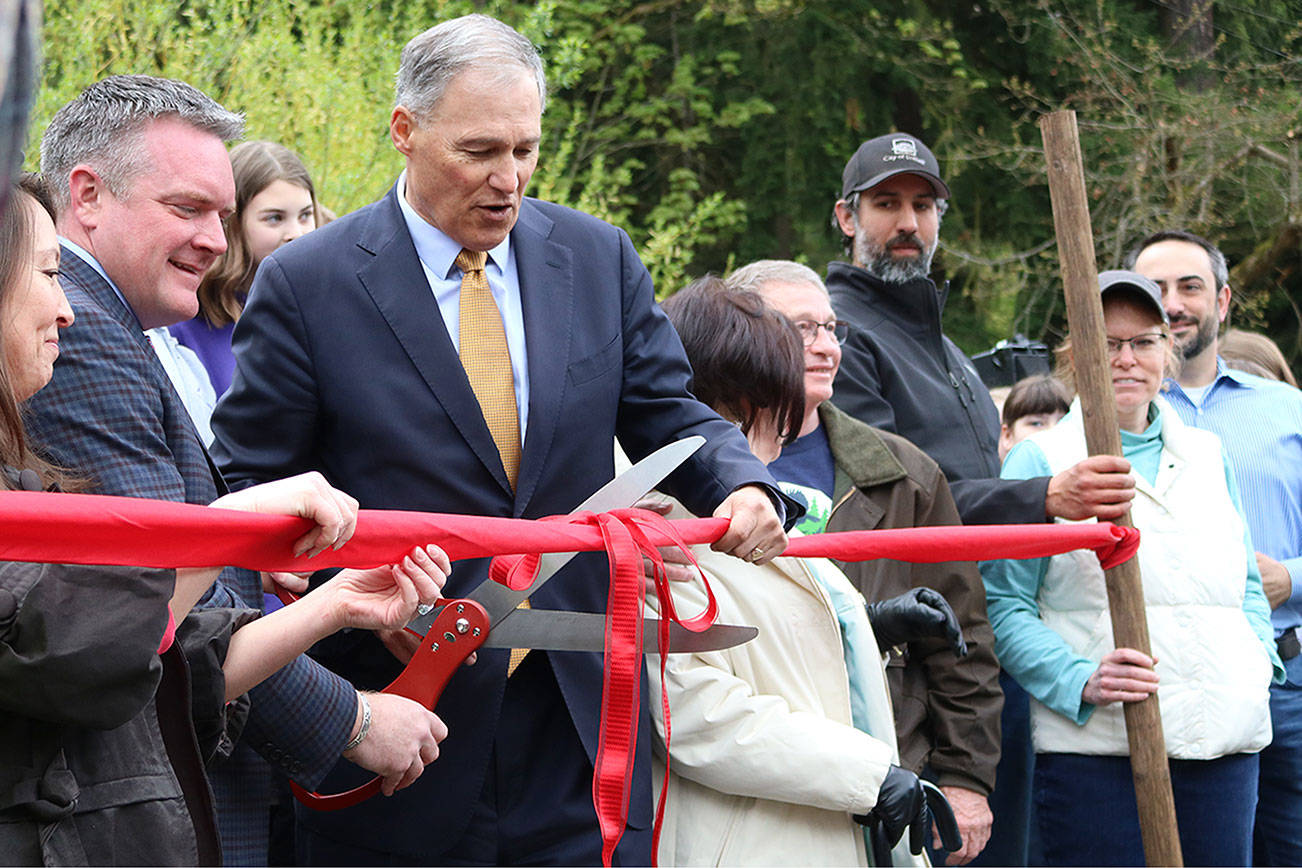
(1137, 287)
(887, 156)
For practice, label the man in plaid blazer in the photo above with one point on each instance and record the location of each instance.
(142, 182)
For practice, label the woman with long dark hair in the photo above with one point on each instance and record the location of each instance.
(783, 746)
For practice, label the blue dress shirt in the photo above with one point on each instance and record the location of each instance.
(1260, 423)
(438, 254)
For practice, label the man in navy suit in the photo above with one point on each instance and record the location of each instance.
(142, 182)
(348, 362)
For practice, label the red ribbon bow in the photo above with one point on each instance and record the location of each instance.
(625, 534)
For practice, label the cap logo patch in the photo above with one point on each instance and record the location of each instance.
(903, 149)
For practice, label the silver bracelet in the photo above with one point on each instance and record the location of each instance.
(366, 724)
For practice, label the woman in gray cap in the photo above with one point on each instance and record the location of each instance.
(1214, 656)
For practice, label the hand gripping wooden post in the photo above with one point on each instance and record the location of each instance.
(1071, 221)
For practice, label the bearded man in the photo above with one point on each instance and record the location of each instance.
(1260, 424)
(900, 373)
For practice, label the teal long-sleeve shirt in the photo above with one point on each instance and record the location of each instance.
(1035, 655)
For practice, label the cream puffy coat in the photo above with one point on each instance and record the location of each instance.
(767, 767)
(1215, 669)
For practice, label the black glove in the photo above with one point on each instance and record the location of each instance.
(901, 804)
(917, 614)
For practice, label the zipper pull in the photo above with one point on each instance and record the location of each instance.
(971, 395)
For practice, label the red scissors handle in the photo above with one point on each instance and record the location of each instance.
(456, 633)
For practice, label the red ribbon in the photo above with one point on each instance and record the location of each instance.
(624, 532)
(95, 529)
(169, 632)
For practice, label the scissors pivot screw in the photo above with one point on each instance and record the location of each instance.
(463, 626)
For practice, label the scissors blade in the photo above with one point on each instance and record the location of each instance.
(552, 630)
(622, 491)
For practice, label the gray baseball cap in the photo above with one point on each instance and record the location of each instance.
(887, 156)
(1136, 286)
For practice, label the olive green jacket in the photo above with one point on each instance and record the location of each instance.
(946, 709)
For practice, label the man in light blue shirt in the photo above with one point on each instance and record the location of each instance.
(1260, 423)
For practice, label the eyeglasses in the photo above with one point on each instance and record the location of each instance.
(809, 329)
(1140, 345)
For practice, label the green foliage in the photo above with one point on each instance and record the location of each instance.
(714, 131)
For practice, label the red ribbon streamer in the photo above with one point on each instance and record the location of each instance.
(95, 529)
(626, 542)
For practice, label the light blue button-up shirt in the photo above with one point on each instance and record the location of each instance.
(1260, 423)
(438, 254)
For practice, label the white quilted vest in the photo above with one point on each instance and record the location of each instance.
(1215, 672)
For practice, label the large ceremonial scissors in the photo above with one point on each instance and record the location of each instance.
(488, 617)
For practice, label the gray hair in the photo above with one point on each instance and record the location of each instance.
(104, 128)
(432, 59)
(852, 205)
(1220, 271)
(756, 275)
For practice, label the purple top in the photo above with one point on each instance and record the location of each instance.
(212, 346)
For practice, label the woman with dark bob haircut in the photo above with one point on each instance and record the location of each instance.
(747, 359)
(114, 693)
(780, 742)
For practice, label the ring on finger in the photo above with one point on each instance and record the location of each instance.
(755, 554)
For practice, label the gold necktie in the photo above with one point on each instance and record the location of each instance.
(487, 361)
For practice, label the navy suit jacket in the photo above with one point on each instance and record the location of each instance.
(344, 365)
(111, 413)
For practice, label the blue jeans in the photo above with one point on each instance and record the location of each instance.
(1278, 836)
(1087, 814)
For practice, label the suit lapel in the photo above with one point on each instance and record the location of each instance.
(91, 282)
(395, 280)
(184, 437)
(547, 298)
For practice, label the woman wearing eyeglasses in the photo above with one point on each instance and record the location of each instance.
(1213, 654)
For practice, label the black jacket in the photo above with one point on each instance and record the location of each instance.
(900, 373)
(102, 738)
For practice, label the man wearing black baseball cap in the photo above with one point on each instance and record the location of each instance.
(899, 372)
(897, 240)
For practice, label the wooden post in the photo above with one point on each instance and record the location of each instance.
(1071, 221)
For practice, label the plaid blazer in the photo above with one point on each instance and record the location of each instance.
(111, 413)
